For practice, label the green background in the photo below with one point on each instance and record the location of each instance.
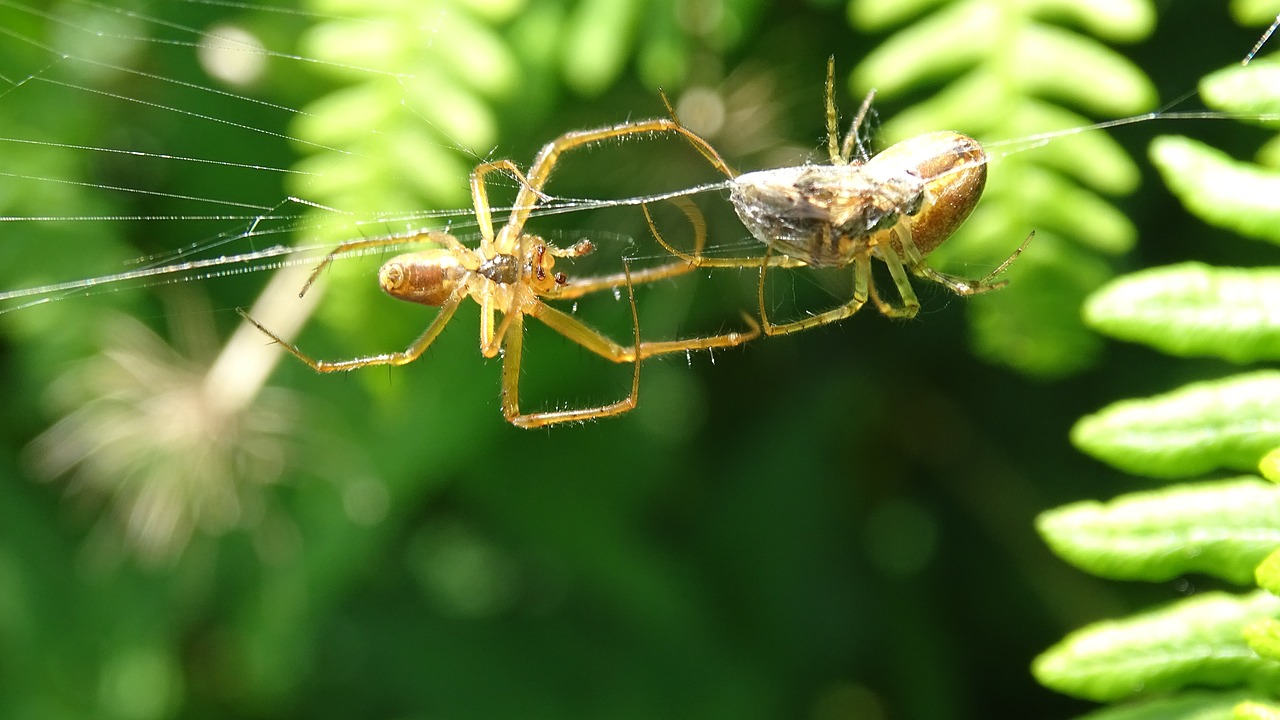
(834, 524)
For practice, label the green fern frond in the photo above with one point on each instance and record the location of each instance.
(599, 38)
(1269, 467)
(1197, 642)
(1225, 528)
(1255, 711)
(1198, 705)
(1194, 310)
(394, 124)
(1243, 197)
(1036, 75)
(1228, 423)
(1254, 12)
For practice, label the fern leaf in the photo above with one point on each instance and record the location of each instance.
(1201, 705)
(1015, 86)
(1251, 90)
(1269, 468)
(1243, 197)
(1238, 196)
(1255, 12)
(1229, 423)
(597, 42)
(1198, 641)
(1222, 528)
(1194, 310)
(1255, 711)
(1267, 573)
(1263, 635)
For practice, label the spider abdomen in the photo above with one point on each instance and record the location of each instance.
(427, 277)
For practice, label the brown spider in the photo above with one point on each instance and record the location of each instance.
(897, 206)
(511, 273)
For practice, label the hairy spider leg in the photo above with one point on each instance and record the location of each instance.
(511, 236)
(480, 197)
(861, 285)
(540, 171)
(842, 153)
(582, 335)
(403, 357)
(697, 260)
(583, 286)
(911, 260)
(956, 284)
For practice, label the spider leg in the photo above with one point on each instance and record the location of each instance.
(861, 285)
(964, 286)
(593, 340)
(598, 343)
(480, 195)
(842, 154)
(833, 122)
(708, 342)
(405, 356)
(546, 159)
(579, 287)
(910, 303)
(583, 286)
(491, 335)
(697, 259)
(511, 375)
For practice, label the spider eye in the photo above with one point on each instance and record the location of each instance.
(562, 279)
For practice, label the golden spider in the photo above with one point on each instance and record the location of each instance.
(897, 206)
(511, 273)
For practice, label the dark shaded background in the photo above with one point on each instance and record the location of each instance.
(835, 524)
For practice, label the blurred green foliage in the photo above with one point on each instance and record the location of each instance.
(836, 524)
(1046, 68)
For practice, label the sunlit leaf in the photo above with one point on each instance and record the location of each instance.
(1222, 528)
(1263, 636)
(1248, 90)
(1239, 196)
(1267, 574)
(1198, 641)
(1229, 423)
(1200, 705)
(1255, 12)
(1255, 711)
(597, 41)
(1193, 309)
(1269, 466)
